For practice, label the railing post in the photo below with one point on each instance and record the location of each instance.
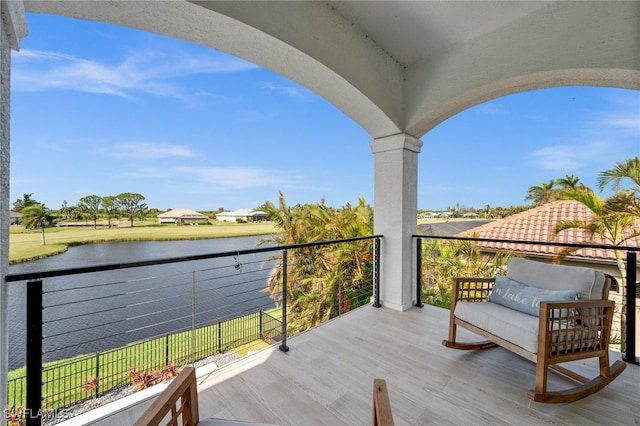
(376, 273)
(34, 353)
(419, 273)
(629, 352)
(97, 376)
(193, 317)
(283, 346)
(166, 349)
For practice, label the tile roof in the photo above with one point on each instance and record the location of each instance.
(537, 225)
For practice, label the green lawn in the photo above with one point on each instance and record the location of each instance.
(63, 380)
(26, 244)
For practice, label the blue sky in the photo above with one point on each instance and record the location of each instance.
(99, 109)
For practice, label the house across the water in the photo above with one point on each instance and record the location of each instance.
(15, 218)
(182, 216)
(242, 216)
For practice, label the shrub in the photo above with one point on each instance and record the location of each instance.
(442, 261)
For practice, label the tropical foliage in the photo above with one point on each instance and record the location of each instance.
(608, 223)
(615, 220)
(542, 194)
(24, 202)
(327, 280)
(626, 199)
(625, 170)
(552, 191)
(442, 261)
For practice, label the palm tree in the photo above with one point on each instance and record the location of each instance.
(324, 281)
(36, 216)
(628, 169)
(542, 194)
(624, 200)
(568, 182)
(611, 225)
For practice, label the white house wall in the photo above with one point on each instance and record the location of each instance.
(12, 29)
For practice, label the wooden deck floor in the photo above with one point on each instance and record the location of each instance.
(327, 376)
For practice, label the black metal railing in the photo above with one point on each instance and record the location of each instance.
(628, 311)
(96, 329)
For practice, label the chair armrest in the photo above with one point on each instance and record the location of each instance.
(471, 289)
(571, 328)
(382, 415)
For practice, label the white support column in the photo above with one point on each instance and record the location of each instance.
(12, 29)
(395, 208)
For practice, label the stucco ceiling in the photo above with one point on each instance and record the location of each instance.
(402, 67)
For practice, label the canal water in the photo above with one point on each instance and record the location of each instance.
(94, 312)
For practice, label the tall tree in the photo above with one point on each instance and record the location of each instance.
(542, 194)
(131, 203)
(110, 207)
(90, 207)
(37, 216)
(25, 201)
(610, 224)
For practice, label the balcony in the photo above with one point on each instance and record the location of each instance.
(320, 376)
(326, 378)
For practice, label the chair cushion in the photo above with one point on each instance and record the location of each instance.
(513, 326)
(588, 283)
(522, 329)
(524, 298)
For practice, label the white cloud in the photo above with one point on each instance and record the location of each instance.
(493, 108)
(149, 173)
(213, 180)
(291, 91)
(623, 121)
(621, 117)
(234, 177)
(141, 72)
(570, 157)
(147, 150)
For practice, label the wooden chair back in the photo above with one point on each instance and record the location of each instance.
(179, 401)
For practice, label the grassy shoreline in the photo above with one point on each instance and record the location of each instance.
(26, 244)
